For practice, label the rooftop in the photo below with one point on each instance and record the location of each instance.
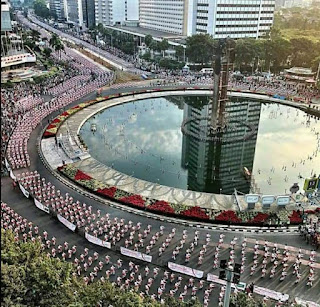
(142, 32)
(300, 71)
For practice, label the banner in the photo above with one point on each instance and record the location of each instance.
(12, 175)
(41, 206)
(185, 270)
(278, 296)
(252, 198)
(66, 222)
(216, 279)
(130, 253)
(267, 199)
(24, 191)
(97, 241)
(283, 200)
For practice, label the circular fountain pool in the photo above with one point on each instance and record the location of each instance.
(145, 139)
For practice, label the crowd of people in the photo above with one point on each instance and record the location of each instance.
(311, 233)
(90, 265)
(265, 259)
(25, 106)
(148, 241)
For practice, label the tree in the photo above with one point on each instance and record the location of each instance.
(276, 53)
(146, 56)
(154, 45)
(41, 9)
(56, 43)
(179, 52)
(315, 63)
(200, 48)
(47, 52)
(30, 278)
(303, 52)
(246, 51)
(100, 27)
(242, 300)
(148, 40)
(163, 46)
(35, 35)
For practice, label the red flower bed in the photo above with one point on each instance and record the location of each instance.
(228, 216)
(135, 200)
(51, 126)
(311, 211)
(47, 134)
(59, 168)
(57, 120)
(195, 212)
(161, 206)
(108, 191)
(259, 218)
(65, 114)
(82, 176)
(295, 218)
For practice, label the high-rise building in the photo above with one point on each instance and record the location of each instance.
(75, 12)
(5, 17)
(116, 12)
(220, 18)
(57, 8)
(168, 16)
(88, 13)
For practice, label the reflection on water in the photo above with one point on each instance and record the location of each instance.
(144, 139)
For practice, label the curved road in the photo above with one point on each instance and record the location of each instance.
(26, 208)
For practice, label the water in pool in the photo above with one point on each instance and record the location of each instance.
(144, 139)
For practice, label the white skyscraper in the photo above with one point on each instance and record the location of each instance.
(116, 12)
(75, 12)
(221, 18)
(234, 18)
(166, 15)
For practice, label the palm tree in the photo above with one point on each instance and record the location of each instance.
(54, 40)
(56, 43)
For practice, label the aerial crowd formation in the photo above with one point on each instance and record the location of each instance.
(25, 106)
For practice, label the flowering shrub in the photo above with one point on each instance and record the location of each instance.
(260, 218)
(283, 216)
(161, 206)
(246, 216)
(121, 194)
(228, 216)
(196, 212)
(295, 217)
(57, 120)
(110, 192)
(135, 200)
(55, 124)
(81, 176)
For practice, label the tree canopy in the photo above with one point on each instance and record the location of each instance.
(40, 8)
(200, 48)
(30, 278)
